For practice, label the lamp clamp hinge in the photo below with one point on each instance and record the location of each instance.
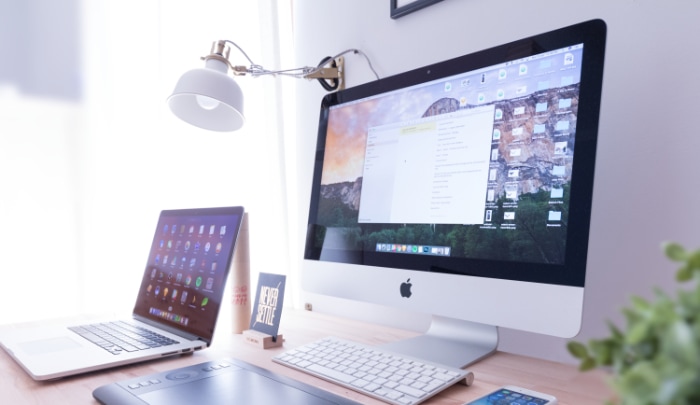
(331, 75)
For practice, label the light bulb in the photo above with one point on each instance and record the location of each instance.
(207, 103)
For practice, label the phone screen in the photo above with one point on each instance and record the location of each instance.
(507, 397)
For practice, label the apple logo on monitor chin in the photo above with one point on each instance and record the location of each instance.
(406, 288)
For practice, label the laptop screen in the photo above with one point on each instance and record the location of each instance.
(185, 276)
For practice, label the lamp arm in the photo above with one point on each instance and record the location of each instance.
(331, 69)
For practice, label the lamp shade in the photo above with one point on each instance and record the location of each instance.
(208, 98)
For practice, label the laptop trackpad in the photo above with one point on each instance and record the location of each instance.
(49, 345)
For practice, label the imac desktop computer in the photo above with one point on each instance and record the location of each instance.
(463, 190)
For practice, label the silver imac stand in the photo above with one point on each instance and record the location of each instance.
(452, 342)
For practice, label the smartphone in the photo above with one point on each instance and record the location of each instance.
(512, 395)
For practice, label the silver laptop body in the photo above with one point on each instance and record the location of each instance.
(179, 298)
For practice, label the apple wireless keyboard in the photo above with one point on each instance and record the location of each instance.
(391, 377)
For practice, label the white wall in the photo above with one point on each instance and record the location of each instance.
(646, 180)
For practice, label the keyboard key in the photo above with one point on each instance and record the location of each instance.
(337, 375)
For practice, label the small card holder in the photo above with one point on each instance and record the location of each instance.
(262, 340)
(267, 310)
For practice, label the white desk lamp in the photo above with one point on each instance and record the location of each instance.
(209, 98)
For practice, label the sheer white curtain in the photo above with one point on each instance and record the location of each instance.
(118, 156)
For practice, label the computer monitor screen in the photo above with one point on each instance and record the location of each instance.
(463, 189)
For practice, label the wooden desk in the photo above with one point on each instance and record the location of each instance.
(298, 327)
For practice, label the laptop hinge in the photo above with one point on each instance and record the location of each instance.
(170, 329)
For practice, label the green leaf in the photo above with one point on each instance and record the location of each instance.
(640, 382)
(616, 333)
(675, 251)
(694, 260)
(637, 333)
(685, 273)
(578, 350)
(603, 351)
(632, 315)
(678, 344)
(587, 364)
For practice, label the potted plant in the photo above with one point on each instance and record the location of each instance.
(656, 360)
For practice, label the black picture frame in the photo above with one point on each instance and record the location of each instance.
(397, 11)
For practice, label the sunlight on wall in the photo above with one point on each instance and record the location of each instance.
(144, 159)
(38, 241)
(101, 170)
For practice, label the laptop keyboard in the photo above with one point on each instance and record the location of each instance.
(121, 337)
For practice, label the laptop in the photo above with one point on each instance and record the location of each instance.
(178, 299)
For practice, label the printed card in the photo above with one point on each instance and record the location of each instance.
(267, 307)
